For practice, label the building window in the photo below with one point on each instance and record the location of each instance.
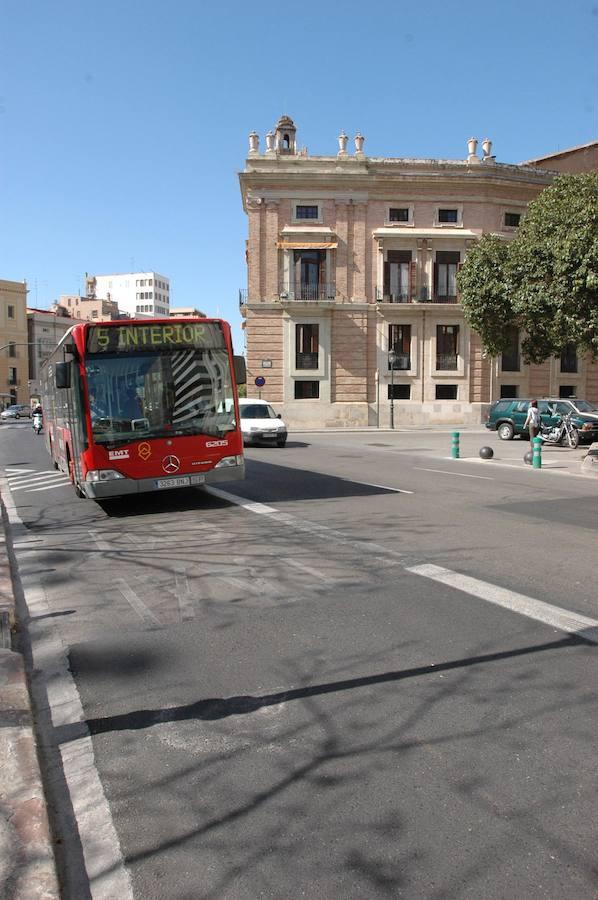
(510, 356)
(512, 220)
(307, 390)
(10, 311)
(306, 346)
(397, 276)
(447, 348)
(446, 391)
(569, 359)
(310, 271)
(399, 340)
(12, 375)
(151, 282)
(12, 350)
(94, 314)
(567, 391)
(13, 395)
(399, 392)
(445, 275)
(509, 391)
(398, 214)
(448, 216)
(306, 212)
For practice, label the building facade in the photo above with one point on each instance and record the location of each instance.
(138, 294)
(14, 387)
(45, 328)
(90, 308)
(351, 257)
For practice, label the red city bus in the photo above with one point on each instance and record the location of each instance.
(144, 405)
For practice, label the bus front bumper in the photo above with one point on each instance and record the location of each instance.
(123, 487)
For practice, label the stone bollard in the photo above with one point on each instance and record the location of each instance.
(455, 445)
(537, 453)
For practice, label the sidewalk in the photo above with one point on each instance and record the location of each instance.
(27, 867)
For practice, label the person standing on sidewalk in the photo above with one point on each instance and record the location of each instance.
(532, 422)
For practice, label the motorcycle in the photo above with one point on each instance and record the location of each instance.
(37, 423)
(562, 432)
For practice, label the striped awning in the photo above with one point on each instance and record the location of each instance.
(308, 244)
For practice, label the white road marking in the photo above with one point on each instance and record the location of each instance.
(49, 487)
(143, 611)
(383, 487)
(555, 616)
(458, 474)
(259, 508)
(183, 592)
(33, 477)
(56, 688)
(11, 470)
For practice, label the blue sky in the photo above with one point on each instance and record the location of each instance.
(123, 124)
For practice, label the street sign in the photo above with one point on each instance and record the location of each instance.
(260, 381)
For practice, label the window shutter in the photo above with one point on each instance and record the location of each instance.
(386, 286)
(435, 279)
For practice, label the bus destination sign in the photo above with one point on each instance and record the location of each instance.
(158, 336)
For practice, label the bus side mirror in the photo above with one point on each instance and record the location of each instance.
(63, 375)
(240, 370)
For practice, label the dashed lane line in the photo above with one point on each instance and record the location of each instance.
(554, 616)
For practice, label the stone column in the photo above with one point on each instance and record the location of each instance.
(342, 259)
(271, 250)
(359, 251)
(254, 267)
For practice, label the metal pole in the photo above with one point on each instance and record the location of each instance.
(392, 358)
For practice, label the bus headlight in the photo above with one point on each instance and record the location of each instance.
(95, 475)
(229, 461)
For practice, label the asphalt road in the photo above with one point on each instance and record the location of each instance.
(326, 691)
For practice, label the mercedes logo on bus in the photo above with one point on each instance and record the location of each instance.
(171, 464)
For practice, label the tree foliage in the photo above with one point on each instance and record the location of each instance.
(546, 280)
(485, 292)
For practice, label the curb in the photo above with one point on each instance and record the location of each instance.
(27, 862)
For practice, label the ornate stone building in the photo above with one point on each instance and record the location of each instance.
(350, 257)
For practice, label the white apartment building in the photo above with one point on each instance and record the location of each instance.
(142, 294)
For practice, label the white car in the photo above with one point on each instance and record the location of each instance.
(260, 424)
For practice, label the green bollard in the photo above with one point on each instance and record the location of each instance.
(537, 453)
(455, 445)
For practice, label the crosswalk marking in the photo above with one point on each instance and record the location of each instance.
(29, 481)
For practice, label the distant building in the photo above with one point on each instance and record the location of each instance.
(14, 387)
(185, 312)
(576, 160)
(143, 294)
(90, 309)
(45, 328)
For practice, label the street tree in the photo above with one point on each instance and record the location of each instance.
(545, 281)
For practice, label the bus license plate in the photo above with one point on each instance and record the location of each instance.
(182, 481)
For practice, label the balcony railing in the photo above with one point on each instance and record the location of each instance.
(308, 292)
(306, 361)
(242, 297)
(418, 295)
(446, 361)
(402, 361)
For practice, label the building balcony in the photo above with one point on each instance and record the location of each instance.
(421, 294)
(310, 293)
(402, 362)
(446, 362)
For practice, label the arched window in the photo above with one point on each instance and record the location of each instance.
(286, 143)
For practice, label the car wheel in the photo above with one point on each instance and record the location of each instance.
(505, 431)
(17, 416)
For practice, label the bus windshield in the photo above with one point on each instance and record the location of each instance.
(159, 394)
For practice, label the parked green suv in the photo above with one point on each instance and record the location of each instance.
(507, 416)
